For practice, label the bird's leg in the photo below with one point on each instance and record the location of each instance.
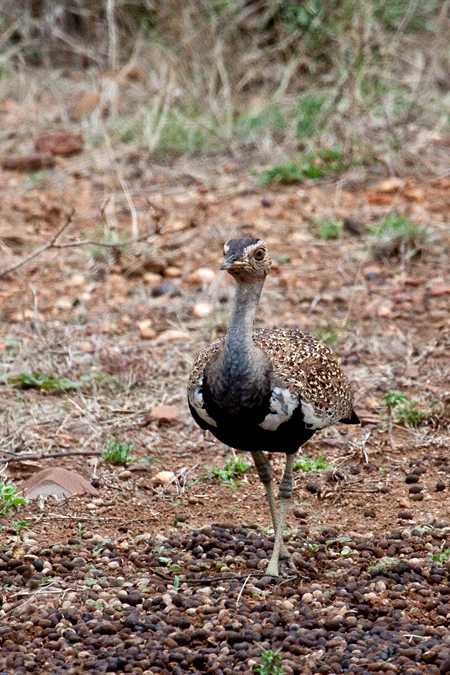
(265, 473)
(285, 493)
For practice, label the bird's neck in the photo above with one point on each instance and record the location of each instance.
(239, 347)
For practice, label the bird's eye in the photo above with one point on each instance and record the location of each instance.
(259, 254)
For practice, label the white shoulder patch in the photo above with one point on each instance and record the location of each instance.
(314, 421)
(195, 397)
(282, 406)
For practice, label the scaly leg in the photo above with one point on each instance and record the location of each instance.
(265, 473)
(285, 495)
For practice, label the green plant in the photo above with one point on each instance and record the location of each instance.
(328, 229)
(176, 582)
(313, 165)
(270, 664)
(383, 564)
(404, 410)
(21, 525)
(234, 467)
(398, 235)
(441, 557)
(308, 465)
(9, 499)
(81, 529)
(43, 382)
(117, 453)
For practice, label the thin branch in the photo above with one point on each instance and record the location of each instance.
(40, 249)
(71, 244)
(20, 458)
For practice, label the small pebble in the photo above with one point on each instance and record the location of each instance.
(440, 485)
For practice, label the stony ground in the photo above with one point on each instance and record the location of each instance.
(166, 578)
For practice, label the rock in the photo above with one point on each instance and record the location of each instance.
(352, 227)
(59, 142)
(203, 275)
(440, 485)
(163, 414)
(172, 272)
(150, 278)
(35, 162)
(370, 513)
(56, 482)
(163, 477)
(202, 309)
(166, 288)
(405, 514)
(147, 334)
(390, 185)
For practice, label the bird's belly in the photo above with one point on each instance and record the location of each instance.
(238, 433)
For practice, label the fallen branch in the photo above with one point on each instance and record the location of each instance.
(40, 249)
(71, 244)
(20, 458)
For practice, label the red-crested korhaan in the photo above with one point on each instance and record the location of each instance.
(266, 390)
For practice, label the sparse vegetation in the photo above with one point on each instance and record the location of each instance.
(270, 664)
(441, 557)
(117, 453)
(313, 165)
(398, 235)
(235, 467)
(47, 383)
(328, 229)
(403, 410)
(308, 465)
(10, 500)
(383, 564)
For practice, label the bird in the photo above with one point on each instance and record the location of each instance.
(266, 390)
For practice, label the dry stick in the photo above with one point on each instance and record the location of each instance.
(40, 249)
(71, 244)
(19, 458)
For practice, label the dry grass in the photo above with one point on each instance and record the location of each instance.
(369, 78)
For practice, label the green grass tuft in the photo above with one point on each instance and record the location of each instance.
(234, 468)
(270, 664)
(313, 165)
(398, 235)
(117, 453)
(328, 229)
(43, 382)
(308, 465)
(404, 410)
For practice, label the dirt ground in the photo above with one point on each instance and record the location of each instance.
(126, 322)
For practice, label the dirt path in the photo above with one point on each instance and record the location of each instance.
(122, 581)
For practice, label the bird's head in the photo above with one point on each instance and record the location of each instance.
(247, 259)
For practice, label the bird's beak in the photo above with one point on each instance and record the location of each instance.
(229, 263)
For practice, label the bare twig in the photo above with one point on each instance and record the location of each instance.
(20, 458)
(40, 249)
(71, 244)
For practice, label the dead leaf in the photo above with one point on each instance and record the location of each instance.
(59, 142)
(34, 162)
(86, 104)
